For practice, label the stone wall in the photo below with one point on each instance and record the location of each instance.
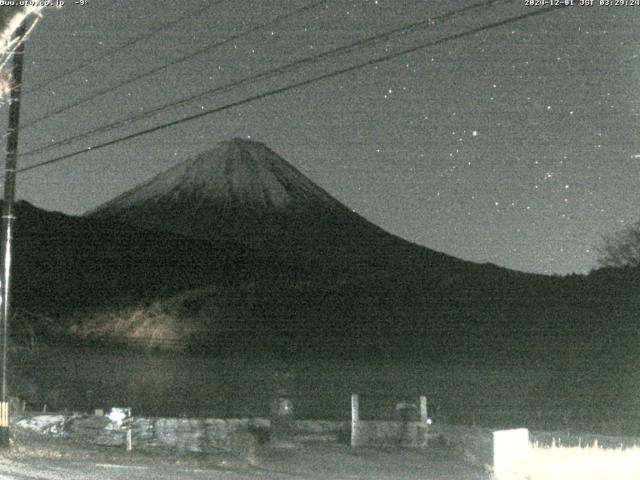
(181, 434)
(208, 435)
(381, 433)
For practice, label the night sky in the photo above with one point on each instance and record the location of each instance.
(517, 145)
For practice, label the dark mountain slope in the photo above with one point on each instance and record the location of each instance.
(62, 263)
(326, 273)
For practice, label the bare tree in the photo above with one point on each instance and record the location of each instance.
(621, 249)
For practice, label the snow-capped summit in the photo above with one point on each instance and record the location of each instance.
(240, 189)
(239, 171)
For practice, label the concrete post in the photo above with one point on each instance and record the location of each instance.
(355, 420)
(423, 410)
(423, 430)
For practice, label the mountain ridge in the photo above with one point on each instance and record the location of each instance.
(321, 272)
(242, 191)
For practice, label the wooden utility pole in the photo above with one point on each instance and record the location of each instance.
(7, 223)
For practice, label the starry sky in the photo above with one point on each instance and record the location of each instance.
(516, 145)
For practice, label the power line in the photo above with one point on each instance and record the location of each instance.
(178, 61)
(145, 36)
(289, 87)
(405, 29)
(292, 86)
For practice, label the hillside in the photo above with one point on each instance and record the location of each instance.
(316, 276)
(324, 269)
(237, 250)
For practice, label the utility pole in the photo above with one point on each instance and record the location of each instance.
(7, 222)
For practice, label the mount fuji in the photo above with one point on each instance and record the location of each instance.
(314, 260)
(237, 248)
(243, 191)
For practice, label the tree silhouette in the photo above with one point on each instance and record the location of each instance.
(621, 249)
